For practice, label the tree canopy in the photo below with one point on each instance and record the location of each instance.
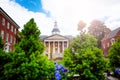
(99, 30)
(84, 58)
(27, 61)
(81, 25)
(1, 43)
(114, 55)
(30, 41)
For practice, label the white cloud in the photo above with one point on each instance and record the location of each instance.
(21, 15)
(67, 13)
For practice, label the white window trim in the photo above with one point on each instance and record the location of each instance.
(11, 28)
(7, 37)
(2, 34)
(15, 30)
(10, 38)
(8, 25)
(14, 40)
(3, 21)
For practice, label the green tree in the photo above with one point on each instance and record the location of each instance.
(31, 41)
(1, 43)
(28, 62)
(84, 58)
(114, 55)
(4, 58)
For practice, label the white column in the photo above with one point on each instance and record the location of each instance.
(53, 47)
(58, 47)
(49, 49)
(67, 44)
(63, 46)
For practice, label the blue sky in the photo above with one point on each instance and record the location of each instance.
(33, 5)
(66, 12)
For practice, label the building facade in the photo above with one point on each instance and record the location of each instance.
(55, 44)
(109, 40)
(8, 30)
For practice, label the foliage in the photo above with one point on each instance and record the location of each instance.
(1, 43)
(81, 25)
(30, 41)
(4, 58)
(86, 59)
(27, 61)
(114, 55)
(99, 30)
(34, 68)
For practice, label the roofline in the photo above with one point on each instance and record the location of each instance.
(56, 34)
(7, 16)
(110, 33)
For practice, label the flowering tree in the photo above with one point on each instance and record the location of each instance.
(60, 71)
(81, 26)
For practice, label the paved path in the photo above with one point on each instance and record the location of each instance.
(112, 78)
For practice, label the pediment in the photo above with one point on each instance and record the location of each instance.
(56, 37)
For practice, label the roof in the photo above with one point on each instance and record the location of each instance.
(55, 37)
(9, 18)
(69, 36)
(43, 36)
(55, 30)
(112, 33)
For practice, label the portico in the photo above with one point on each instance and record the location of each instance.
(55, 44)
(55, 48)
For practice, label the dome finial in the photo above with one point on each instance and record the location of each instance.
(55, 24)
(55, 29)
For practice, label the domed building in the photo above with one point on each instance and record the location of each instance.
(55, 44)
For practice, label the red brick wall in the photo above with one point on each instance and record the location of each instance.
(105, 42)
(8, 31)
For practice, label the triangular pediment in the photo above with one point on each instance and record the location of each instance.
(56, 37)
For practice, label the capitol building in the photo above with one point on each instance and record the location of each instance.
(55, 44)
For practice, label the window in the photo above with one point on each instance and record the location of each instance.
(7, 47)
(3, 21)
(12, 28)
(8, 25)
(112, 41)
(65, 44)
(15, 30)
(7, 36)
(10, 38)
(2, 34)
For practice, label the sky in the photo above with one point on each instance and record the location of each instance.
(67, 13)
